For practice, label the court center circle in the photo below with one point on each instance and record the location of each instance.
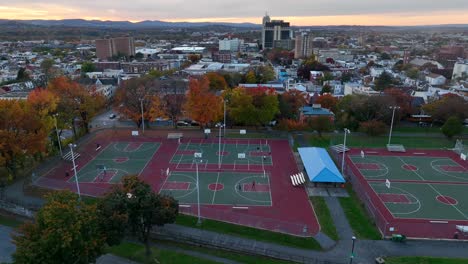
(215, 187)
(409, 167)
(120, 159)
(446, 200)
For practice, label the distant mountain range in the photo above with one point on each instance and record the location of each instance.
(148, 24)
(124, 24)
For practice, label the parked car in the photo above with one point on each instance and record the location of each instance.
(182, 123)
(112, 116)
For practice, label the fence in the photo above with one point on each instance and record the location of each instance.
(235, 216)
(235, 245)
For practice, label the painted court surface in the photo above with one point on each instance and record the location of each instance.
(427, 194)
(250, 186)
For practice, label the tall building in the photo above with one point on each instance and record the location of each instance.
(107, 48)
(232, 45)
(304, 46)
(275, 30)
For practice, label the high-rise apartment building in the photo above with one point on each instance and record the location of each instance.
(303, 46)
(107, 48)
(275, 30)
(232, 45)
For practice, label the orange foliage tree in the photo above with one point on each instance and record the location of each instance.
(327, 101)
(217, 81)
(135, 93)
(202, 105)
(75, 101)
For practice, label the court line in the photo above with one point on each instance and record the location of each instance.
(386, 169)
(214, 195)
(269, 186)
(445, 173)
(435, 190)
(150, 159)
(89, 162)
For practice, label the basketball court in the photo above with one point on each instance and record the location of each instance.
(426, 185)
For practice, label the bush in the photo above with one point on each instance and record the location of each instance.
(291, 125)
(373, 127)
(453, 126)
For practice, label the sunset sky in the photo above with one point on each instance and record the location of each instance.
(298, 12)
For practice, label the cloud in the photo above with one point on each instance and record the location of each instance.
(137, 10)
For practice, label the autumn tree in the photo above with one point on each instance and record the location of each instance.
(217, 81)
(135, 208)
(173, 100)
(373, 127)
(75, 101)
(201, 104)
(250, 77)
(448, 106)
(138, 93)
(327, 101)
(65, 230)
(264, 74)
(240, 107)
(290, 102)
(401, 99)
(321, 124)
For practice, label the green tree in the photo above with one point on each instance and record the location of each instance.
(453, 126)
(87, 66)
(143, 209)
(412, 73)
(65, 230)
(384, 81)
(47, 67)
(321, 124)
(385, 56)
(326, 89)
(217, 81)
(250, 77)
(265, 74)
(22, 75)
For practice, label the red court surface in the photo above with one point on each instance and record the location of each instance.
(378, 204)
(291, 211)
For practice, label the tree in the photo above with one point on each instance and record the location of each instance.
(326, 89)
(65, 230)
(22, 75)
(217, 81)
(202, 105)
(265, 103)
(310, 65)
(194, 58)
(453, 126)
(401, 99)
(373, 127)
(412, 73)
(75, 101)
(327, 101)
(47, 66)
(139, 56)
(136, 93)
(385, 56)
(448, 106)
(290, 102)
(87, 66)
(384, 81)
(320, 124)
(173, 100)
(240, 106)
(250, 77)
(137, 208)
(265, 74)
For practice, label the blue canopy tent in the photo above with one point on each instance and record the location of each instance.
(319, 166)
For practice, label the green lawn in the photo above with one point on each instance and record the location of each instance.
(324, 217)
(362, 141)
(358, 218)
(9, 221)
(424, 260)
(136, 252)
(247, 259)
(253, 135)
(249, 232)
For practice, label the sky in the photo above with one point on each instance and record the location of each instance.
(298, 12)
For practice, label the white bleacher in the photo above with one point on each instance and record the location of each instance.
(68, 156)
(174, 135)
(395, 148)
(339, 148)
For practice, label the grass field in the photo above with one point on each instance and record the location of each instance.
(250, 233)
(324, 217)
(357, 216)
(424, 260)
(136, 252)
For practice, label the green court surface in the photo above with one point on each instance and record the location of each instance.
(410, 168)
(219, 188)
(423, 200)
(117, 160)
(255, 154)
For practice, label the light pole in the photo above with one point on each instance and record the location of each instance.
(346, 131)
(198, 191)
(58, 137)
(219, 144)
(74, 169)
(352, 251)
(391, 124)
(225, 101)
(142, 119)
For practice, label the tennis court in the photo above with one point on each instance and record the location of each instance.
(116, 160)
(422, 192)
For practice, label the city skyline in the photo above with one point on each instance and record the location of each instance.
(298, 12)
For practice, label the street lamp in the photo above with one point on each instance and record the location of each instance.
(74, 168)
(58, 137)
(346, 131)
(391, 124)
(219, 144)
(198, 191)
(352, 251)
(142, 119)
(225, 101)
